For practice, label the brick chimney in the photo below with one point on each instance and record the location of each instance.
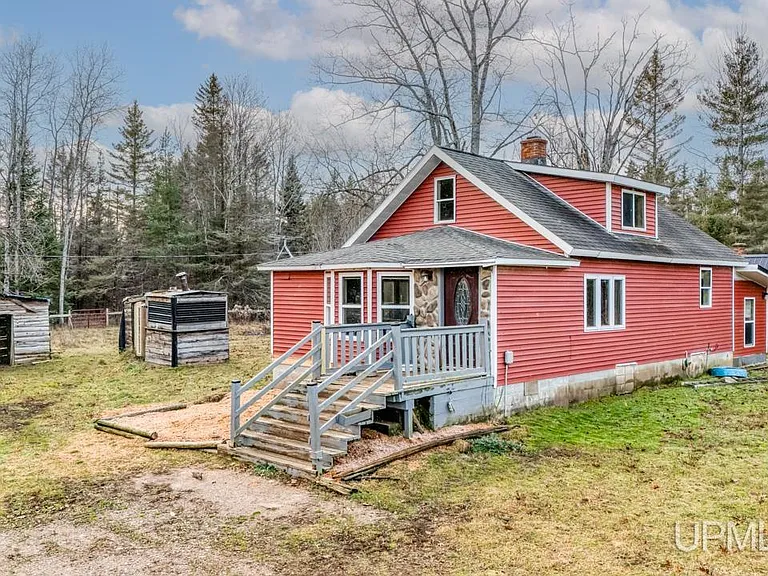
(740, 248)
(533, 150)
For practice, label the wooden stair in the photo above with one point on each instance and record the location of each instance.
(280, 437)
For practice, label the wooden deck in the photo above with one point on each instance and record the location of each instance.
(333, 380)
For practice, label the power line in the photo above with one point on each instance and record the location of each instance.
(150, 257)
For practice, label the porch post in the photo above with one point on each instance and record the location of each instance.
(313, 408)
(489, 359)
(317, 350)
(397, 357)
(408, 419)
(234, 417)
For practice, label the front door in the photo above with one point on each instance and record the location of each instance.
(460, 296)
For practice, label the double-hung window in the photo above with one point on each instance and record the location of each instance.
(705, 287)
(394, 298)
(604, 302)
(445, 199)
(749, 322)
(633, 210)
(351, 299)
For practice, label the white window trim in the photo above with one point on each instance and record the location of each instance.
(435, 202)
(329, 309)
(343, 306)
(611, 304)
(645, 210)
(753, 322)
(710, 287)
(379, 277)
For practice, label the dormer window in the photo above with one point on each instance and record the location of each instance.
(445, 200)
(633, 210)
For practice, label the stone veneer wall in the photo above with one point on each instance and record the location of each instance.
(426, 295)
(485, 293)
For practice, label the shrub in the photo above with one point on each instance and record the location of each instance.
(495, 444)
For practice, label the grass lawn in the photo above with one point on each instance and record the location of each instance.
(47, 442)
(592, 489)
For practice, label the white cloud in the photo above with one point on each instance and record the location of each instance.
(264, 28)
(340, 118)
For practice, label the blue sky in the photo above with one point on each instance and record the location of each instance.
(162, 63)
(166, 48)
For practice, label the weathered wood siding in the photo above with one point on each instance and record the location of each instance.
(475, 210)
(159, 348)
(31, 329)
(202, 347)
(541, 318)
(745, 289)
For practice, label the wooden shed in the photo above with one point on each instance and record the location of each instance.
(186, 327)
(25, 330)
(135, 314)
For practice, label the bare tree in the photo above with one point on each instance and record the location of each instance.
(26, 78)
(589, 90)
(87, 98)
(442, 61)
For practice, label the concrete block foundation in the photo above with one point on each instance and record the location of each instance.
(576, 388)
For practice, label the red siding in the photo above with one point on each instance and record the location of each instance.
(745, 289)
(297, 300)
(584, 195)
(650, 213)
(541, 318)
(475, 211)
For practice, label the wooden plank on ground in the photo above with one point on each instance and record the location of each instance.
(415, 449)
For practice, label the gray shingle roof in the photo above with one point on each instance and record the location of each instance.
(678, 239)
(440, 245)
(760, 260)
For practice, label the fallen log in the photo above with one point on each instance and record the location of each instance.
(166, 408)
(116, 432)
(415, 449)
(126, 428)
(211, 444)
(335, 486)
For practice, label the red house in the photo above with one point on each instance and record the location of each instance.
(524, 284)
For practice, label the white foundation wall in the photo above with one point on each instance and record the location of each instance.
(622, 379)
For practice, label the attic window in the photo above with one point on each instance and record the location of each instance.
(445, 199)
(633, 210)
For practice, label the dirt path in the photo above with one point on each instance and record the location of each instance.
(183, 522)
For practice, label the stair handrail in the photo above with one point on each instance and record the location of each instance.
(315, 407)
(238, 390)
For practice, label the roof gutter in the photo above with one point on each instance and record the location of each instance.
(658, 259)
(754, 273)
(535, 263)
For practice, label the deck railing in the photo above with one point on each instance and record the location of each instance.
(409, 357)
(343, 342)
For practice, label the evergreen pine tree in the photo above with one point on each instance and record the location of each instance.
(293, 211)
(657, 96)
(210, 120)
(133, 158)
(736, 110)
(712, 210)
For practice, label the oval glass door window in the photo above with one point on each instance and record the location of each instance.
(461, 303)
